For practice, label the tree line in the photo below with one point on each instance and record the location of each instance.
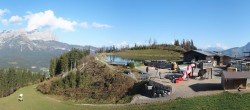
(186, 44)
(13, 78)
(66, 61)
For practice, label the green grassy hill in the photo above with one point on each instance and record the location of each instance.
(150, 54)
(34, 100)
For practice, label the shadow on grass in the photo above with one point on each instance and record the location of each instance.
(206, 87)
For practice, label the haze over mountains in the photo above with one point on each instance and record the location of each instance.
(31, 49)
(233, 52)
(238, 51)
(214, 49)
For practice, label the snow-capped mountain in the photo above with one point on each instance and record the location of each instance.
(24, 40)
(20, 48)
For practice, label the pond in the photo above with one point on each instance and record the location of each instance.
(120, 60)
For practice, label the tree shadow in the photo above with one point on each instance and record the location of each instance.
(206, 87)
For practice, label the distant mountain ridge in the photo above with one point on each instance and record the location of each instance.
(219, 49)
(34, 49)
(237, 51)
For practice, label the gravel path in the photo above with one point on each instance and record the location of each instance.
(184, 89)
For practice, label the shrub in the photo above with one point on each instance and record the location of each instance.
(131, 64)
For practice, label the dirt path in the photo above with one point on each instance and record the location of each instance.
(130, 75)
(184, 89)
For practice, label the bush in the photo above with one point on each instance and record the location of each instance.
(44, 87)
(131, 64)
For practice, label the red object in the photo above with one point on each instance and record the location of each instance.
(191, 74)
(180, 79)
(177, 81)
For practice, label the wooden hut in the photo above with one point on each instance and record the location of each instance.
(233, 80)
(222, 59)
(197, 55)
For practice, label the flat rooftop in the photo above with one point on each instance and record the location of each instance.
(236, 75)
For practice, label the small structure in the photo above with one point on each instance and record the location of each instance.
(246, 57)
(197, 55)
(222, 59)
(206, 70)
(234, 80)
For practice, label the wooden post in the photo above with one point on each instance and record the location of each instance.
(211, 73)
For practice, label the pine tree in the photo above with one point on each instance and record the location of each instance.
(192, 45)
(78, 78)
(58, 68)
(64, 63)
(52, 67)
(176, 43)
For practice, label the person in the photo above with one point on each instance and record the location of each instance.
(160, 74)
(157, 70)
(147, 69)
(20, 98)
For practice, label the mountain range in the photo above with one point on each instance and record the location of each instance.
(237, 51)
(34, 49)
(214, 49)
(31, 49)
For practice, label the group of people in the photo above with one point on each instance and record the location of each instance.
(157, 72)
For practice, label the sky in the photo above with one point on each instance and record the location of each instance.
(209, 23)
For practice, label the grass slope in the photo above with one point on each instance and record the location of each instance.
(222, 101)
(34, 100)
(150, 54)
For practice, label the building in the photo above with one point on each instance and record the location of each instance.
(234, 80)
(246, 57)
(222, 59)
(197, 55)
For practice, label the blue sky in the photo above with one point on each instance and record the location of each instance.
(216, 23)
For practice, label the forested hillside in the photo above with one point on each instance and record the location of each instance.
(66, 62)
(13, 79)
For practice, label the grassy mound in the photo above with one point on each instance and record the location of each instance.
(150, 54)
(96, 83)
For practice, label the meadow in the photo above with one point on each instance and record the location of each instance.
(34, 100)
(150, 54)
